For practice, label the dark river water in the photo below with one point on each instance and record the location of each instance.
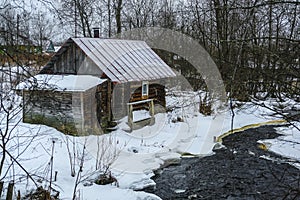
(236, 172)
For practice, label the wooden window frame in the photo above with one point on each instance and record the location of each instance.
(145, 89)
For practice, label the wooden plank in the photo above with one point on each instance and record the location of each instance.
(82, 110)
(109, 94)
(130, 115)
(140, 102)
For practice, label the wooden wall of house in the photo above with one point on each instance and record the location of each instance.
(50, 108)
(68, 62)
(156, 92)
(91, 123)
(120, 98)
(74, 61)
(70, 112)
(103, 107)
(132, 92)
(83, 108)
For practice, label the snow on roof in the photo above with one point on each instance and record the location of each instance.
(56, 48)
(61, 82)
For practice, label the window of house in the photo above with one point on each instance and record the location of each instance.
(145, 88)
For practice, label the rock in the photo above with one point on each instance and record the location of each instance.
(193, 196)
(133, 149)
(218, 146)
(251, 153)
(179, 119)
(142, 184)
(87, 183)
(178, 191)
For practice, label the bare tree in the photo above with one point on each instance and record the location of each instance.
(16, 52)
(77, 15)
(139, 13)
(42, 29)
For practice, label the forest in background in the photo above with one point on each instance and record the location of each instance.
(254, 43)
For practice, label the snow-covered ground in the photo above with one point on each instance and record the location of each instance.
(287, 145)
(131, 156)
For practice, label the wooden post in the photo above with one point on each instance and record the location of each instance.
(1, 187)
(151, 108)
(123, 104)
(127, 93)
(130, 115)
(10, 190)
(82, 112)
(19, 195)
(109, 100)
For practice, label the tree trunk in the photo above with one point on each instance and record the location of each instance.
(118, 16)
(109, 18)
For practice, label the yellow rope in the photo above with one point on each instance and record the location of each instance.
(273, 122)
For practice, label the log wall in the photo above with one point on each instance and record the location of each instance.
(132, 92)
(50, 108)
(70, 112)
(103, 104)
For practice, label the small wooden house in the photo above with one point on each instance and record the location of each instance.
(125, 75)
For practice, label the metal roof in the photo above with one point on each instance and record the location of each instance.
(125, 60)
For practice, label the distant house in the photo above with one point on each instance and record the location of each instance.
(50, 47)
(92, 82)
